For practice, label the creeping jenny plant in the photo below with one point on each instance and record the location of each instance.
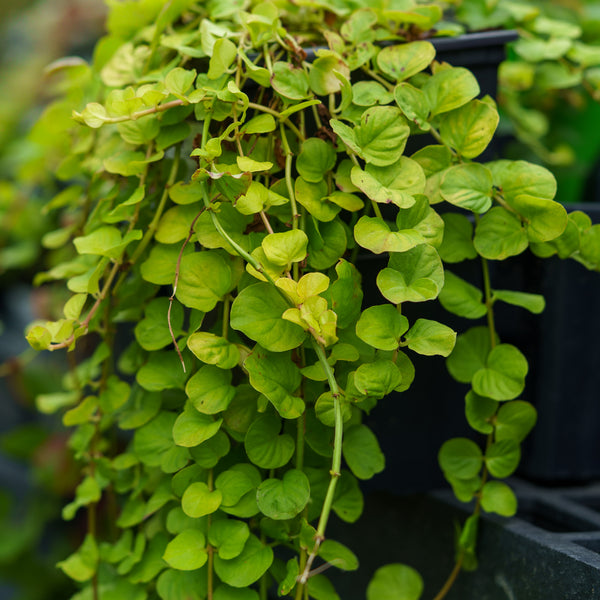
(220, 190)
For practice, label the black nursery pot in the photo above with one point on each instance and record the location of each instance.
(562, 346)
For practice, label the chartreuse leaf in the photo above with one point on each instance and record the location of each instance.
(287, 584)
(322, 75)
(237, 482)
(381, 135)
(282, 499)
(503, 377)
(162, 372)
(461, 298)
(87, 492)
(362, 452)
(204, 279)
(515, 420)
(430, 338)
(277, 377)
(247, 567)
(210, 390)
(192, 428)
(457, 244)
(396, 183)
(395, 582)
(374, 234)
(208, 454)
(502, 458)
(460, 458)
(285, 248)
(381, 327)
(159, 268)
(369, 93)
(174, 225)
(338, 555)
(81, 565)
(451, 88)
(198, 500)
(413, 103)
(469, 129)
(226, 592)
(186, 551)
(228, 536)
(313, 196)
(256, 312)
(345, 294)
(378, 378)
(178, 81)
(480, 412)
(316, 158)
(290, 81)
(213, 349)
(325, 409)
(106, 241)
(534, 303)
(517, 177)
(545, 220)
(224, 53)
(264, 445)
(470, 354)
(404, 60)
(499, 498)
(423, 219)
(154, 439)
(468, 186)
(182, 585)
(413, 276)
(500, 234)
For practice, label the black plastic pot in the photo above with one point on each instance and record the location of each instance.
(563, 349)
(549, 551)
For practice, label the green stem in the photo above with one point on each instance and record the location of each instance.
(336, 462)
(288, 177)
(489, 301)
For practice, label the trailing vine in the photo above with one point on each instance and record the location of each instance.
(220, 192)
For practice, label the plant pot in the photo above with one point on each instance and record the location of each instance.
(549, 551)
(564, 356)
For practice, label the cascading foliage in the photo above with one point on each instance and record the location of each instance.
(221, 190)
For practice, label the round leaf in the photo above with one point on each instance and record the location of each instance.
(265, 447)
(362, 452)
(502, 458)
(381, 327)
(468, 186)
(515, 420)
(316, 158)
(395, 582)
(403, 61)
(499, 498)
(503, 377)
(460, 458)
(186, 551)
(247, 567)
(282, 499)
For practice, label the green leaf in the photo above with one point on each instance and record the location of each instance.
(396, 183)
(502, 458)
(536, 49)
(263, 123)
(413, 103)
(152, 332)
(430, 338)
(457, 244)
(460, 458)
(159, 268)
(264, 444)
(237, 482)
(395, 582)
(413, 276)
(226, 592)
(468, 186)
(545, 220)
(503, 377)
(193, 428)
(198, 500)
(313, 196)
(362, 452)
(381, 135)
(204, 279)
(345, 294)
(163, 371)
(208, 454)
(515, 420)
(210, 390)
(499, 498)
(285, 248)
(338, 555)
(320, 588)
(469, 129)
(480, 412)
(423, 219)
(378, 378)
(405, 60)
(154, 439)
(81, 565)
(322, 75)
(257, 311)
(277, 377)
(174, 225)
(374, 234)
(290, 81)
(87, 492)
(500, 234)
(461, 298)
(182, 585)
(470, 354)
(246, 568)
(450, 88)
(325, 409)
(282, 499)
(224, 53)
(534, 303)
(382, 327)
(369, 93)
(316, 158)
(518, 177)
(106, 241)
(178, 81)
(229, 537)
(186, 551)
(213, 349)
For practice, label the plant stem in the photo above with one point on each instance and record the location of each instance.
(489, 301)
(288, 177)
(336, 463)
(451, 579)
